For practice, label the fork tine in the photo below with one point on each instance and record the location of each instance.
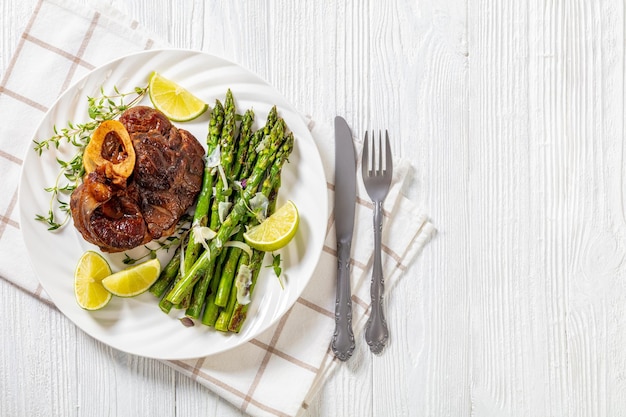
(377, 154)
(388, 160)
(365, 159)
(376, 160)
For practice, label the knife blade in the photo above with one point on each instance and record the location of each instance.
(345, 200)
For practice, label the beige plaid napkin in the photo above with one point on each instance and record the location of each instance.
(276, 373)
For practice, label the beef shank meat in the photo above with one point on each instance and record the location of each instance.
(165, 182)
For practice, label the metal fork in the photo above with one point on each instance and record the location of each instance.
(376, 170)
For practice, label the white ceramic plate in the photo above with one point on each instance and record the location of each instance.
(137, 325)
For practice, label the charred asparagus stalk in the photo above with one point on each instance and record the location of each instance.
(211, 310)
(192, 249)
(271, 185)
(238, 213)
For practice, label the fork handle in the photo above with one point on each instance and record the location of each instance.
(343, 338)
(376, 331)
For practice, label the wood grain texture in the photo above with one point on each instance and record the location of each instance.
(547, 227)
(513, 116)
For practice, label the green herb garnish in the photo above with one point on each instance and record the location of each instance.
(104, 107)
(277, 269)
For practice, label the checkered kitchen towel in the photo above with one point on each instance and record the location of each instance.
(276, 373)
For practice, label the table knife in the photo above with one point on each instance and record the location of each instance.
(345, 200)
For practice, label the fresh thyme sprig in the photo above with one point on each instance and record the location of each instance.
(183, 226)
(72, 171)
(104, 107)
(100, 109)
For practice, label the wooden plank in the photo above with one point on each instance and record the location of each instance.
(419, 89)
(546, 226)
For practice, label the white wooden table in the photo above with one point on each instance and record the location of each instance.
(513, 115)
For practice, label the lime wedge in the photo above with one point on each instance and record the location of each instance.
(276, 231)
(90, 294)
(174, 101)
(134, 280)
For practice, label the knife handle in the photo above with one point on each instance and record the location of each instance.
(376, 331)
(343, 338)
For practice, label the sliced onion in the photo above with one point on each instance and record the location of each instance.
(236, 230)
(243, 282)
(239, 244)
(258, 205)
(222, 210)
(202, 234)
(262, 144)
(213, 160)
(220, 169)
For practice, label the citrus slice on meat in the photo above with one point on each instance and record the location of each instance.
(276, 231)
(134, 280)
(92, 268)
(177, 103)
